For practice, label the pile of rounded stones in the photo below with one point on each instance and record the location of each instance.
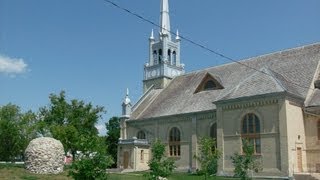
(44, 155)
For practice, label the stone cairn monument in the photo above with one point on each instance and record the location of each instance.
(44, 155)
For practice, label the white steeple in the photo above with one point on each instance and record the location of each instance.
(164, 54)
(165, 19)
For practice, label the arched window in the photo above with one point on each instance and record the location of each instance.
(174, 142)
(155, 57)
(210, 85)
(169, 56)
(213, 132)
(174, 54)
(160, 55)
(251, 131)
(141, 135)
(318, 129)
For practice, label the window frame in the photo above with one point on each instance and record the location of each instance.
(174, 142)
(214, 133)
(141, 132)
(251, 130)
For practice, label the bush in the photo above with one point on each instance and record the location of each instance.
(90, 166)
(160, 166)
(208, 157)
(92, 162)
(244, 163)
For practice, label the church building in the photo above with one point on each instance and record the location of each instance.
(273, 100)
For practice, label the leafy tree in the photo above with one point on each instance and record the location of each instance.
(208, 157)
(9, 132)
(70, 121)
(160, 166)
(112, 138)
(28, 129)
(16, 131)
(244, 163)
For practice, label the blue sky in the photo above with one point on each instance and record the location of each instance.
(95, 51)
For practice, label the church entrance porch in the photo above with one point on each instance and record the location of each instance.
(133, 154)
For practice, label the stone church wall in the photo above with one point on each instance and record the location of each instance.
(191, 127)
(230, 127)
(282, 132)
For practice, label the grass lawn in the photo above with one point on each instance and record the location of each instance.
(9, 172)
(175, 176)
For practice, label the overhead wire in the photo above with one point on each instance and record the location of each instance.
(196, 43)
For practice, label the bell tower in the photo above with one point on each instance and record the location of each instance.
(164, 54)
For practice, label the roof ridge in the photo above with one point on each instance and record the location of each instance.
(254, 58)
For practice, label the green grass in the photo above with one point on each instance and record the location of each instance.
(17, 172)
(13, 171)
(175, 176)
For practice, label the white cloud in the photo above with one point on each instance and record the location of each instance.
(101, 128)
(12, 65)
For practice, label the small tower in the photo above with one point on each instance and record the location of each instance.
(126, 106)
(164, 54)
(126, 112)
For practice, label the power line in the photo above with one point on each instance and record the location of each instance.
(196, 43)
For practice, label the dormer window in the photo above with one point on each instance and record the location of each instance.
(209, 82)
(209, 85)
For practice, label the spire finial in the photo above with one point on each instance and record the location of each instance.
(152, 35)
(177, 35)
(127, 99)
(165, 19)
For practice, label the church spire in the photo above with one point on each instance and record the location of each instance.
(164, 54)
(165, 19)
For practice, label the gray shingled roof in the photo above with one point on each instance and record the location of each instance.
(296, 65)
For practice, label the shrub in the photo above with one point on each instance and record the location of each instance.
(244, 163)
(160, 166)
(92, 162)
(208, 157)
(90, 166)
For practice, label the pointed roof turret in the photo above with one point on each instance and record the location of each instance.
(165, 19)
(126, 105)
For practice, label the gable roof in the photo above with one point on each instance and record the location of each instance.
(296, 65)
